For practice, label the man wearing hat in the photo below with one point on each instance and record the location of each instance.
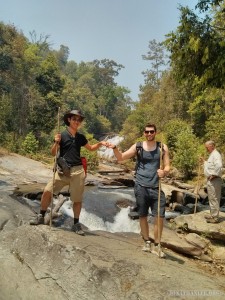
(69, 142)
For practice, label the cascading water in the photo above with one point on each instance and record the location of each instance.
(100, 212)
(107, 153)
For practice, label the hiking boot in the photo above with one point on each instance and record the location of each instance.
(147, 246)
(77, 229)
(39, 219)
(157, 250)
(213, 220)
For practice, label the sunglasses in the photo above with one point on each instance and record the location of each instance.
(149, 131)
(76, 119)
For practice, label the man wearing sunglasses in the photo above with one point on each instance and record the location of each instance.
(146, 187)
(69, 143)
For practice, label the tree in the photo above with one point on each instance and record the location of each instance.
(186, 153)
(157, 58)
(30, 144)
(62, 56)
(49, 85)
(197, 51)
(205, 5)
(215, 130)
(92, 88)
(172, 130)
(206, 105)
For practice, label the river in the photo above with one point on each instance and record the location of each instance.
(100, 210)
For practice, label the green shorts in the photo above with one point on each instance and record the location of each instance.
(75, 183)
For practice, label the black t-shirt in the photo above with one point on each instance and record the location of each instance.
(70, 147)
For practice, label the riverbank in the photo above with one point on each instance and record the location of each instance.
(40, 261)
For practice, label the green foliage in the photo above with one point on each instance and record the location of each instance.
(206, 106)
(30, 144)
(187, 153)
(133, 127)
(104, 124)
(91, 156)
(156, 56)
(12, 143)
(215, 130)
(197, 49)
(36, 80)
(205, 5)
(172, 130)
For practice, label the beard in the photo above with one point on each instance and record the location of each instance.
(150, 138)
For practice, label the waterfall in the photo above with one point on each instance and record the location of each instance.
(121, 222)
(107, 153)
(100, 211)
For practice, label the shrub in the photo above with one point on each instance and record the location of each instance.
(30, 144)
(186, 153)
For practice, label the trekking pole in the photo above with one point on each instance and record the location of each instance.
(159, 229)
(196, 194)
(54, 170)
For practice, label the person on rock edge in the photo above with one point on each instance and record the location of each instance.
(146, 186)
(69, 142)
(213, 172)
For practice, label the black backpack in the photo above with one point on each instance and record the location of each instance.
(139, 149)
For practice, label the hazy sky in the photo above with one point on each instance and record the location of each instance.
(96, 29)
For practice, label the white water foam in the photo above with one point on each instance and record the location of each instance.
(122, 223)
(107, 153)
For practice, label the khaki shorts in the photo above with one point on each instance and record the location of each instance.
(75, 183)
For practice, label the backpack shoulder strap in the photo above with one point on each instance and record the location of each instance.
(139, 149)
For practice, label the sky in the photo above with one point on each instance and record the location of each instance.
(118, 30)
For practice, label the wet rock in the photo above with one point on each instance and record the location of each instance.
(124, 203)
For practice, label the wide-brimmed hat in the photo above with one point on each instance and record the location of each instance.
(71, 113)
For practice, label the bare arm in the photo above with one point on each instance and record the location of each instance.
(126, 155)
(95, 146)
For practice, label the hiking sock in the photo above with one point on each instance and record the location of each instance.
(76, 221)
(148, 240)
(42, 212)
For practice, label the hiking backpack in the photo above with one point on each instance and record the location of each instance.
(139, 149)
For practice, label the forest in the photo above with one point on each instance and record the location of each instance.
(183, 90)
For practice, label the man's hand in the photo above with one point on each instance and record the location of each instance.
(161, 173)
(104, 143)
(111, 146)
(57, 138)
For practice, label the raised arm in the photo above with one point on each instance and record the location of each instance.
(120, 156)
(95, 146)
(166, 160)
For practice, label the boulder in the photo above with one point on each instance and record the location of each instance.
(39, 262)
(197, 223)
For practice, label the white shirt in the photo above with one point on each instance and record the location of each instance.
(214, 164)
